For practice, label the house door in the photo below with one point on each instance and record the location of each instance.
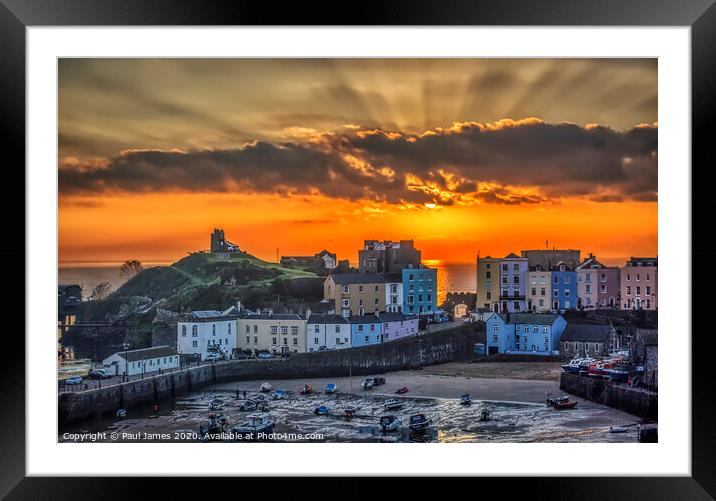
(504, 306)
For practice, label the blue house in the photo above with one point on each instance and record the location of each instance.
(365, 330)
(564, 288)
(420, 290)
(524, 333)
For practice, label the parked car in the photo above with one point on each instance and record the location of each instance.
(377, 381)
(100, 374)
(212, 357)
(73, 380)
(264, 355)
(242, 356)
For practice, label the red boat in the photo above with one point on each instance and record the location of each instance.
(404, 389)
(565, 404)
(306, 389)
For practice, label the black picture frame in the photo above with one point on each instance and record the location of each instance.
(700, 15)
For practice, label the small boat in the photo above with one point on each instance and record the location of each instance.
(617, 374)
(213, 427)
(377, 381)
(367, 384)
(265, 387)
(573, 366)
(389, 423)
(121, 412)
(255, 424)
(321, 410)
(306, 389)
(402, 390)
(216, 405)
(419, 422)
(259, 397)
(330, 388)
(551, 401)
(279, 395)
(565, 404)
(392, 403)
(350, 410)
(466, 399)
(618, 429)
(485, 415)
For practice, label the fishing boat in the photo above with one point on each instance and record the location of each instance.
(419, 422)
(367, 384)
(618, 429)
(279, 394)
(565, 404)
(466, 399)
(213, 427)
(216, 405)
(255, 424)
(389, 423)
(551, 401)
(350, 410)
(402, 390)
(392, 403)
(265, 387)
(617, 374)
(330, 388)
(121, 412)
(307, 388)
(485, 415)
(572, 367)
(321, 410)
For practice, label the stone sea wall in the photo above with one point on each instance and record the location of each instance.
(636, 401)
(409, 353)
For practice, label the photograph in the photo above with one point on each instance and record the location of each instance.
(357, 250)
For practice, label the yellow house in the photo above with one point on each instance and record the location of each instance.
(273, 332)
(356, 293)
(488, 282)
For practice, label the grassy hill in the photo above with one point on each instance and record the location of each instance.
(203, 281)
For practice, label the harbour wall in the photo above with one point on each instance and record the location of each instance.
(636, 401)
(410, 353)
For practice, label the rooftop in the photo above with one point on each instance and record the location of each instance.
(147, 353)
(586, 332)
(274, 316)
(395, 317)
(358, 278)
(326, 319)
(364, 319)
(530, 318)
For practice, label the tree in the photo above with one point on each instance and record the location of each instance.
(101, 291)
(130, 268)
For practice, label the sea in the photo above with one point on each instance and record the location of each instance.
(451, 276)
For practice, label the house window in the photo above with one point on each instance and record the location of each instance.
(256, 340)
(248, 340)
(566, 280)
(487, 275)
(638, 290)
(274, 329)
(516, 305)
(541, 303)
(588, 289)
(566, 292)
(285, 341)
(535, 329)
(504, 267)
(183, 330)
(274, 342)
(248, 328)
(367, 339)
(394, 289)
(555, 293)
(543, 291)
(372, 327)
(226, 341)
(534, 291)
(194, 331)
(516, 279)
(628, 289)
(648, 291)
(516, 267)
(256, 328)
(295, 341)
(527, 328)
(338, 340)
(315, 340)
(545, 329)
(637, 277)
(284, 330)
(338, 329)
(648, 303)
(495, 328)
(346, 303)
(360, 328)
(229, 325)
(555, 279)
(648, 277)
(377, 288)
(316, 328)
(213, 329)
(488, 295)
(504, 280)
(346, 289)
(194, 344)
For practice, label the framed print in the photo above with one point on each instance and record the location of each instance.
(304, 240)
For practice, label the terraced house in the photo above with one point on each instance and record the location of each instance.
(420, 290)
(357, 293)
(524, 333)
(365, 330)
(327, 332)
(639, 280)
(276, 333)
(597, 285)
(206, 332)
(539, 289)
(564, 287)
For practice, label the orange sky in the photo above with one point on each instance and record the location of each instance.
(460, 155)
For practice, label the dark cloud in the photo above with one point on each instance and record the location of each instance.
(520, 162)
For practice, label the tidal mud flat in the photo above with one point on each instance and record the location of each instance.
(517, 413)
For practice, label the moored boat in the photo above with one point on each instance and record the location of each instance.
(572, 367)
(330, 388)
(321, 410)
(214, 427)
(216, 405)
(255, 424)
(265, 387)
(279, 394)
(389, 423)
(121, 412)
(565, 404)
(466, 399)
(551, 401)
(419, 422)
(618, 429)
(392, 403)
(307, 388)
(402, 390)
(350, 410)
(485, 415)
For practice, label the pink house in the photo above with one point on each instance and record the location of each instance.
(597, 285)
(639, 278)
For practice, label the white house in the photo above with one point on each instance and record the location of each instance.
(327, 332)
(398, 325)
(394, 293)
(205, 332)
(133, 362)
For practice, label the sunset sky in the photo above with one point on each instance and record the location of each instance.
(461, 155)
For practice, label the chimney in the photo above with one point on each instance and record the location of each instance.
(269, 312)
(238, 306)
(308, 313)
